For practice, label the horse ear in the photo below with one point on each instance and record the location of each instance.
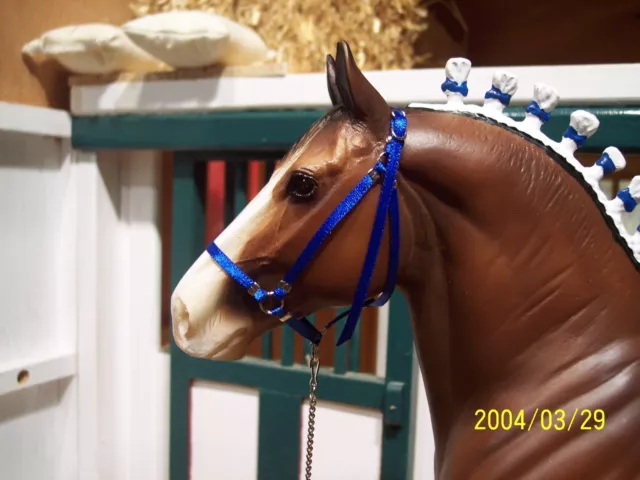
(357, 94)
(334, 93)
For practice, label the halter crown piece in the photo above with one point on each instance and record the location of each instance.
(387, 207)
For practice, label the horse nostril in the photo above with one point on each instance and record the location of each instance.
(180, 315)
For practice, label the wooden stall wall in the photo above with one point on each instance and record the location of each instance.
(45, 83)
(38, 329)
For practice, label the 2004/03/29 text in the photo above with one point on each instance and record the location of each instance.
(559, 419)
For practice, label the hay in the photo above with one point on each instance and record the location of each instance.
(381, 33)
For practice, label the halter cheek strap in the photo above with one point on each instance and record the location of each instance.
(272, 302)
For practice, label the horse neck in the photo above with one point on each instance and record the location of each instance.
(513, 276)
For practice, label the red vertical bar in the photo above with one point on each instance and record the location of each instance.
(255, 178)
(214, 210)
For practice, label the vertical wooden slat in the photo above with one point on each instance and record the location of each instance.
(256, 178)
(255, 182)
(278, 436)
(215, 203)
(354, 348)
(269, 168)
(328, 345)
(287, 346)
(239, 186)
(306, 345)
(229, 185)
(396, 441)
(187, 232)
(267, 346)
(368, 340)
(340, 357)
(166, 195)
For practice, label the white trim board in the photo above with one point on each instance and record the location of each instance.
(48, 122)
(38, 371)
(576, 84)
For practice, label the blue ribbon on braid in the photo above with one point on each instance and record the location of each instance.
(453, 86)
(571, 134)
(534, 109)
(495, 92)
(607, 165)
(628, 201)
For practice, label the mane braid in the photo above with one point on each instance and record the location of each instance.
(582, 125)
(560, 160)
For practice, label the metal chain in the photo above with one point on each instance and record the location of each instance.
(314, 364)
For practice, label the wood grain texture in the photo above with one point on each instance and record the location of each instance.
(552, 33)
(44, 83)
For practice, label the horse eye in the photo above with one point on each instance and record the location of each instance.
(301, 186)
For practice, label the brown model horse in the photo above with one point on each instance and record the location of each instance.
(521, 278)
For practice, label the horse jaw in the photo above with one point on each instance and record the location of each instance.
(206, 324)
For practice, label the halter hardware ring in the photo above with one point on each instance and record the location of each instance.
(267, 297)
(394, 115)
(284, 286)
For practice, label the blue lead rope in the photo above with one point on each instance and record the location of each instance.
(387, 208)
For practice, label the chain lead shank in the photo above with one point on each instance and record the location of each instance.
(314, 364)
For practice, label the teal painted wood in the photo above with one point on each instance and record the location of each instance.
(397, 430)
(340, 357)
(187, 236)
(306, 346)
(354, 350)
(359, 390)
(279, 129)
(180, 385)
(279, 436)
(239, 196)
(188, 228)
(287, 346)
(267, 346)
(272, 129)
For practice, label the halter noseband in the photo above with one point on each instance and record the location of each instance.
(387, 206)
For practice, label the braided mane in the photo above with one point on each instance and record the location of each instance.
(582, 125)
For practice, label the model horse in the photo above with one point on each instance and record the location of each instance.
(520, 273)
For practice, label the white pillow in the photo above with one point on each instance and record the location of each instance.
(93, 49)
(181, 39)
(194, 38)
(246, 47)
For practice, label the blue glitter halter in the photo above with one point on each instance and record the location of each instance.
(387, 206)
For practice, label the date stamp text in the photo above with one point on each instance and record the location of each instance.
(548, 419)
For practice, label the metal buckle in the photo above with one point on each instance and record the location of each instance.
(373, 173)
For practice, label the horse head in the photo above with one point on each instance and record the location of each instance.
(211, 316)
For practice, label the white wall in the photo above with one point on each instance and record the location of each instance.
(125, 388)
(38, 417)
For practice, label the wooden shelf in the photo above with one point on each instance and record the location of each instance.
(614, 84)
(25, 374)
(27, 119)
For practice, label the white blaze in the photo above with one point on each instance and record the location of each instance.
(202, 325)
